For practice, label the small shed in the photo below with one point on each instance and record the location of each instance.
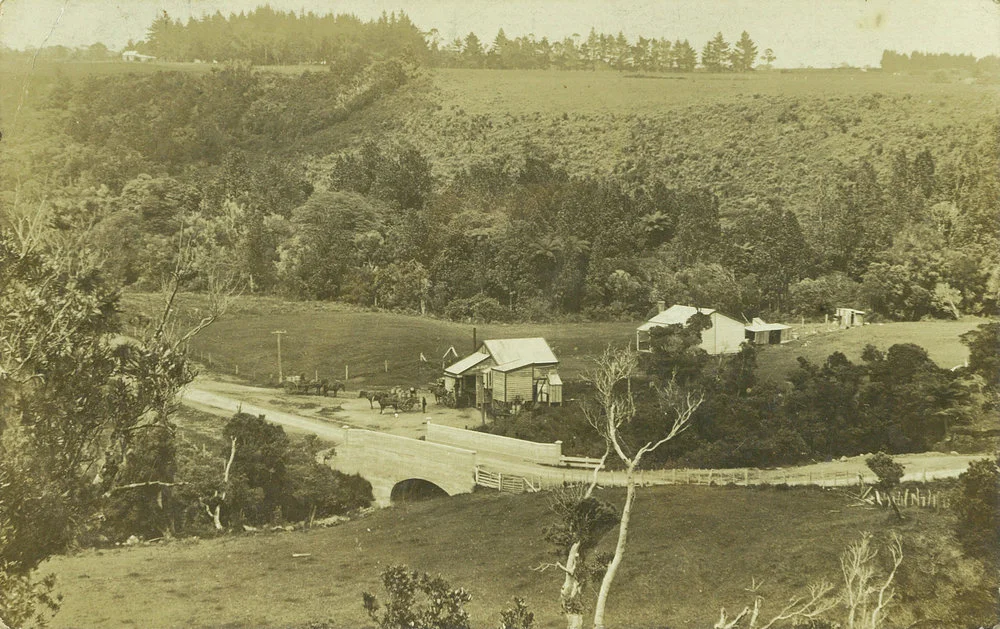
(761, 333)
(849, 317)
(724, 337)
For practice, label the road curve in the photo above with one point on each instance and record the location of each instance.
(213, 402)
(924, 466)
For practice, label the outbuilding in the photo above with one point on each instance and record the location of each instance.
(761, 333)
(849, 317)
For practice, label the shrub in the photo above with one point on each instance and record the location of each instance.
(416, 599)
(977, 507)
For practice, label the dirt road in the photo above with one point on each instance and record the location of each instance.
(327, 417)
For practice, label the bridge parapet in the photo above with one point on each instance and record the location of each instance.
(544, 453)
(385, 460)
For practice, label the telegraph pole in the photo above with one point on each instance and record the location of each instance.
(278, 333)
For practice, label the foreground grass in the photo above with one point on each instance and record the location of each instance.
(693, 549)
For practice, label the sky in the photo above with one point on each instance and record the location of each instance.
(818, 33)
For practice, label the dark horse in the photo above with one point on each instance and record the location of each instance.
(335, 386)
(371, 396)
(387, 399)
(382, 398)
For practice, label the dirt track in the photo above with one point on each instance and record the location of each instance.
(346, 409)
(326, 417)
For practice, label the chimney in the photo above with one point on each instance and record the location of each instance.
(661, 306)
(475, 345)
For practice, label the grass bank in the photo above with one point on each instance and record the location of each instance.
(692, 550)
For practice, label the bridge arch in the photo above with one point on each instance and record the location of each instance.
(414, 489)
(387, 460)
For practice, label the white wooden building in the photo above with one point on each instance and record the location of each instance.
(724, 337)
(506, 371)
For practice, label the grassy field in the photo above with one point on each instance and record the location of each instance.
(816, 342)
(324, 337)
(551, 91)
(692, 550)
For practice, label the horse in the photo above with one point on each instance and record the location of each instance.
(371, 396)
(439, 392)
(386, 399)
(335, 386)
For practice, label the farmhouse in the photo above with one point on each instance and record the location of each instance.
(135, 55)
(506, 372)
(724, 337)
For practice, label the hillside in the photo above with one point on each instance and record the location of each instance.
(693, 549)
(754, 134)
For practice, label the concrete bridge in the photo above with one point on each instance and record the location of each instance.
(401, 467)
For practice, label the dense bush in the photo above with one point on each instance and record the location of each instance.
(977, 507)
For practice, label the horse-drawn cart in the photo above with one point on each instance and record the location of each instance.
(298, 385)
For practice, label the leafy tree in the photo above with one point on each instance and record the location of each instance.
(517, 617)
(683, 56)
(715, 56)
(908, 399)
(321, 251)
(744, 53)
(82, 408)
(977, 507)
(823, 294)
(889, 473)
(416, 599)
(984, 352)
(769, 58)
(675, 351)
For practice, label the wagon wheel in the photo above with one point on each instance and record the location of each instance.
(408, 404)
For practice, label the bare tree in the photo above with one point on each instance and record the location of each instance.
(799, 608)
(614, 410)
(214, 509)
(865, 597)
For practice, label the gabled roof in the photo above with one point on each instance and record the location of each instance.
(530, 351)
(554, 378)
(466, 364)
(675, 315)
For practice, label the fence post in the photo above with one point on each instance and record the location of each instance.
(746, 477)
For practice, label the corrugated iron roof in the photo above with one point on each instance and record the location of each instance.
(532, 351)
(767, 327)
(466, 364)
(554, 378)
(675, 315)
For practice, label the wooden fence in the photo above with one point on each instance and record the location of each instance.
(510, 483)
